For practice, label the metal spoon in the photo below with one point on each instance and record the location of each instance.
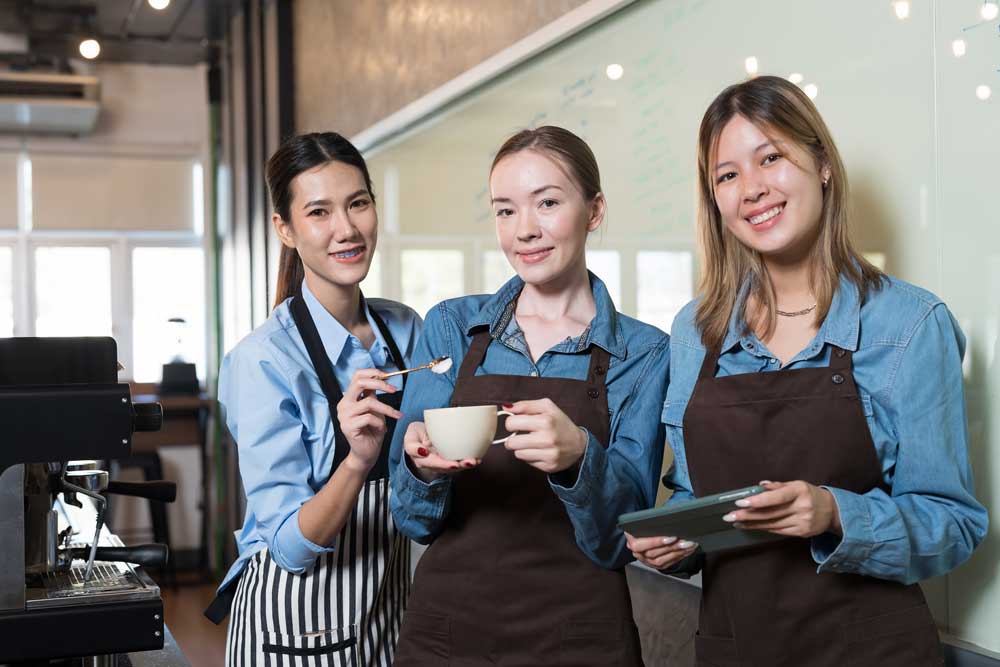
(439, 365)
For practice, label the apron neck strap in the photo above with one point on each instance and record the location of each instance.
(397, 357)
(314, 347)
(840, 359)
(599, 362)
(477, 352)
(710, 363)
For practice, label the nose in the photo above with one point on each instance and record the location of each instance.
(343, 227)
(754, 187)
(527, 227)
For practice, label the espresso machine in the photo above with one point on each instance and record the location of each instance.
(70, 591)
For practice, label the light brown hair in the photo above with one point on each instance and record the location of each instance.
(568, 149)
(779, 109)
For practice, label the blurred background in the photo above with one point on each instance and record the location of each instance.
(133, 135)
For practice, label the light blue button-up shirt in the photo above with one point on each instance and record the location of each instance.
(907, 351)
(621, 478)
(279, 417)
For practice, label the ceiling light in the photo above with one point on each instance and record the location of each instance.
(751, 65)
(159, 5)
(90, 49)
(983, 92)
(615, 71)
(958, 48)
(902, 9)
(812, 90)
(989, 11)
(796, 78)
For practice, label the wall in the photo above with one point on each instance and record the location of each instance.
(358, 62)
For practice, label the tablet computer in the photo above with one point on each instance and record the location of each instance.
(698, 520)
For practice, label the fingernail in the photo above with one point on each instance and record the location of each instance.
(467, 464)
(742, 502)
(765, 481)
(729, 517)
(684, 544)
(669, 540)
(507, 406)
(422, 452)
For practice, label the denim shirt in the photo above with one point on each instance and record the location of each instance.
(279, 417)
(612, 480)
(907, 351)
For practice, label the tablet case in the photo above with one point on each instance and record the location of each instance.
(698, 520)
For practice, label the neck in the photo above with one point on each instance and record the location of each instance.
(343, 302)
(568, 295)
(792, 283)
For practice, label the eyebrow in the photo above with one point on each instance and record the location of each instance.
(763, 145)
(328, 202)
(534, 192)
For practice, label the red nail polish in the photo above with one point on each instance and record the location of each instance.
(467, 464)
(508, 406)
(422, 452)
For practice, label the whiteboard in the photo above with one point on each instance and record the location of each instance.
(922, 151)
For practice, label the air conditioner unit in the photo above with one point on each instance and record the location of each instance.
(48, 103)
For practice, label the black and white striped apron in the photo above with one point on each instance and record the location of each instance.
(346, 611)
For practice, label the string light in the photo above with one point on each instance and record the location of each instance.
(989, 11)
(751, 65)
(958, 48)
(983, 92)
(811, 90)
(90, 49)
(796, 78)
(902, 9)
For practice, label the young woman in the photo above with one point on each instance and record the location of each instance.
(802, 363)
(507, 578)
(322, 575)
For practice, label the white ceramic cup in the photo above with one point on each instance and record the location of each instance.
(463, 432)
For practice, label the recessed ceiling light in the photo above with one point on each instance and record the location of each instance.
(90, 49)
(159, 4)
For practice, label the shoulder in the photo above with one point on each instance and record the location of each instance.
(458, 313)
(893, 313)
(641, 336)
(394, 312)
(684, 331)
(275, 341)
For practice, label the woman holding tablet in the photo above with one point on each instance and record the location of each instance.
(512, 572)
(803, 364)
(322, 575)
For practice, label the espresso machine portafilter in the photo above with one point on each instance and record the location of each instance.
(63, 575)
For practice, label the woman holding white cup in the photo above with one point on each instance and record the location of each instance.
(525, 558)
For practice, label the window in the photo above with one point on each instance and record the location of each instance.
(73, 291)
(167, 283)
(496, 271)
(664, 281)
(371, 286)
(431, 276)
(6, 291)
(606, 265)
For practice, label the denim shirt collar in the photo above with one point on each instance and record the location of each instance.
(840, 327)
(335, 336)
(604, 330)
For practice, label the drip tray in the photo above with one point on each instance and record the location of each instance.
(109, 582)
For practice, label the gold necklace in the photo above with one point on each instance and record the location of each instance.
(804, 311)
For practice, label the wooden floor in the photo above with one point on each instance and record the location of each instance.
(201, 641)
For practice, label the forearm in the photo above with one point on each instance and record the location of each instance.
(323, 516)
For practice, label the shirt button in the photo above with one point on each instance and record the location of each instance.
(774, 361)
(533, 374)
(750, 346)
(837, 378)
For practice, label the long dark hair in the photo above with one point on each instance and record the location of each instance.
(297, 154)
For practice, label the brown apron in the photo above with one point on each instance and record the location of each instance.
(766, 605)
(505, 583)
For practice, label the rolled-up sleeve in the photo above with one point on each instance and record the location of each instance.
(419, 508)
(624, 476)
(928, 521)
(264, 420)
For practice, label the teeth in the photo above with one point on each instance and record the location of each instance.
(766, 215)
(349, 253)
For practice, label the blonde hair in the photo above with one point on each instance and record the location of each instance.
(777, 107)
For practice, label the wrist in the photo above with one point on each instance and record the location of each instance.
(356, 464)
(835, 527)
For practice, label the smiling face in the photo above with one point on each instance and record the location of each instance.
(769, 191)
(333, 225)
(542, 217)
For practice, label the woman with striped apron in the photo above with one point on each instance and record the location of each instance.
(323, 575)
